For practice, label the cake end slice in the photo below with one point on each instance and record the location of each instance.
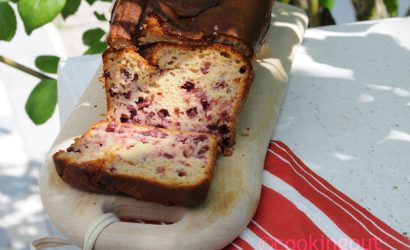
(152, 164)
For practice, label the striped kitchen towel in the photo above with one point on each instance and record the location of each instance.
(300, 210)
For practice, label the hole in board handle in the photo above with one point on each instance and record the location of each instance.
(145, 212)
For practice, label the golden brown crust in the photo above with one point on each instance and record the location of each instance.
(241, 24)
(153, 31)
(91, 176)
(124, 22)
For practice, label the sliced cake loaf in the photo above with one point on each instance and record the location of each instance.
(195, 88)
(175, 76)
(147, 163)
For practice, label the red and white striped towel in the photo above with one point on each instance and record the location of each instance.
(300, 210)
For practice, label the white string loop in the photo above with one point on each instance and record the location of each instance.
(90, 236)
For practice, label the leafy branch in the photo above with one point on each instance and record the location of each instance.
(319, 11)
(23, 68)
(42, 100)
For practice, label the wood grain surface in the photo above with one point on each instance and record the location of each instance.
(235, 189)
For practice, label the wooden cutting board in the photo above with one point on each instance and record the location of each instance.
(235, 189)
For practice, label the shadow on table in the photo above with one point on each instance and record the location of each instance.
(21, 214)
(357, 88)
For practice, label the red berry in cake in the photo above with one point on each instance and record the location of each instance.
(162, 113)
(220, 84)
(110, 127)
(124, 118)
(150, 115)
(168, 156)
(203, 150)
(223, 129)
(192, 112)
(224, 117)
(199, 138)
(111, 92)
(204, 104)
(127, 95)
(140, 100)
(133, 112)
(181, 173)
(126, 74)
(188, 86)
(160, 170)
(181, 139)
(72, 149)
(135, 77)
(142, 103)
(184, 163)
(212, 126)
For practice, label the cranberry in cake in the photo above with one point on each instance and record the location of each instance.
(147, 163)
(195, 88)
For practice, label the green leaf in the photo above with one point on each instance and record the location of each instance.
(100, 16)
(90, 2)
(42, 101)
(328, 4)
(70, 8)
(93, 36)
(392, 7)
(47, 63)
(8, 24)
(36, 13)
(96, 48)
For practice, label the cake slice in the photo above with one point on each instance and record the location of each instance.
(146, 163)
(187, 88)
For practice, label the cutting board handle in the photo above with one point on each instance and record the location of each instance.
(134, 211)
(91, 235)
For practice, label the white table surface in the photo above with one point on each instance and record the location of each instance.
(346, 113)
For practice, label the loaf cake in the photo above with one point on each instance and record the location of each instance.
(175, 75)
(241, 24)
(197, 88)
(147, 163)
